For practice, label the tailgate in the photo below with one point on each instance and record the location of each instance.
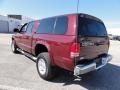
(92, 47)
(93, 37)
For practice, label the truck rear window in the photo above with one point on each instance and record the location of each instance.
(90, 27)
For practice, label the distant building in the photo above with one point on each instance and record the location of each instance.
(23, 19)
(10, 22)
(19, 17)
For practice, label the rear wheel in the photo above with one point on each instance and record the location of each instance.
(44, 67)
(14, 47)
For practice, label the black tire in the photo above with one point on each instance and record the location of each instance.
(49, 71)
(14, 47)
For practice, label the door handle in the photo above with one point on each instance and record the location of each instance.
(57, 44)
(25, 37)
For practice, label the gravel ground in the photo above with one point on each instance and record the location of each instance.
(18, 72)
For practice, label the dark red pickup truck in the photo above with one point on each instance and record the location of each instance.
(74, 42)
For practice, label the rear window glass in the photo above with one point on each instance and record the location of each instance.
(61, 25)
(89, 27)
(46, 26)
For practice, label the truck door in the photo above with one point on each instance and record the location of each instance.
(19, 35)
(26, 39)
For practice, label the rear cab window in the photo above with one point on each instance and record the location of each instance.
(61, 25)
(91, 27)
(46, 26)
(55, 25)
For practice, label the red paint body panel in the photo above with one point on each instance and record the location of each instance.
(59, 45)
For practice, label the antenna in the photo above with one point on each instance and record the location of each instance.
(76, 26)
(77, 6)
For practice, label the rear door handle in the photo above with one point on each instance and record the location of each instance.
(25, 37)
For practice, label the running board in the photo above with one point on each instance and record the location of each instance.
(27, 54)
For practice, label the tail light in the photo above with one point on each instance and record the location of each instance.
(75, 50)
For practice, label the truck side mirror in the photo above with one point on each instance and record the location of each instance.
(16, 30)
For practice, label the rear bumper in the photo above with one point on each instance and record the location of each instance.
(85, 68)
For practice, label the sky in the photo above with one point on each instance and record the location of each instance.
(107, 10)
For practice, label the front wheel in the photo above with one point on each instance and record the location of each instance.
(44, 66)
(14, 47)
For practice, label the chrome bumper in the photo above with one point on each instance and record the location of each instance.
(82, 69)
